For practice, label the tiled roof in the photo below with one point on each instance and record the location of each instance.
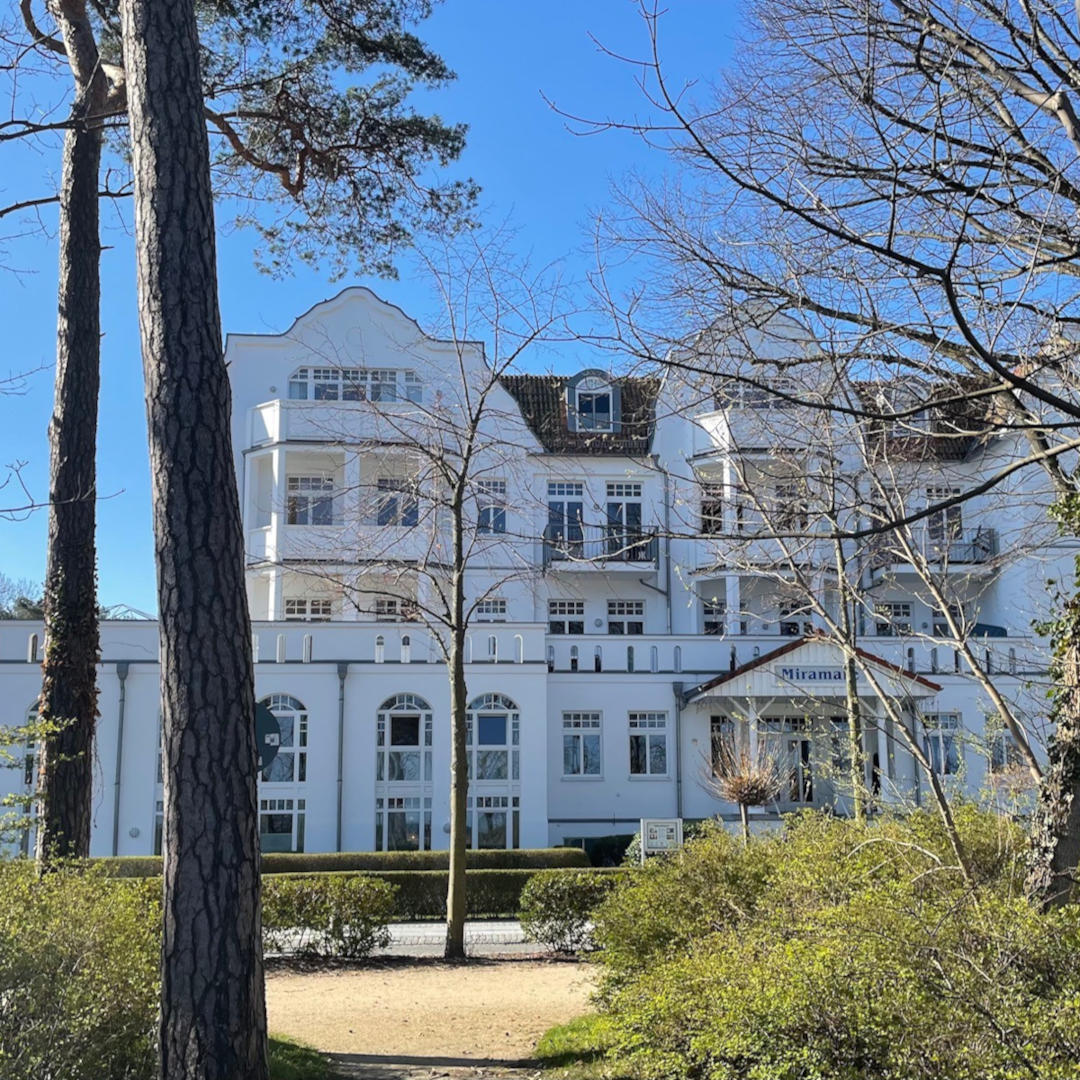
(542, 400)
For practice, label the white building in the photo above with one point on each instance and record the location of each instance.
(617, 631)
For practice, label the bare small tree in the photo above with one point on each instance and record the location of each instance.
(447, 523)
(740, 773)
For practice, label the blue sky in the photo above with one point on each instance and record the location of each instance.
(540, 179)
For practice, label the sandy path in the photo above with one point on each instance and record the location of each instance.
(402, 1018)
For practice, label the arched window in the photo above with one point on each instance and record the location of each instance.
(403, 774)
(592, 402)
(493, 736)
(403, 740)
(290, 764)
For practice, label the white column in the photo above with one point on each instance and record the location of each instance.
(274, 544)
(732, 603)
(275, 607)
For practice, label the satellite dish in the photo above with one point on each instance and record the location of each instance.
(267, 735)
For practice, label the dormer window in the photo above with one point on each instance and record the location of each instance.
(592, 403)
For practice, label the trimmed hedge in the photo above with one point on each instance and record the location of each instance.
(418, 894)
(557, 906)
(421, 894)
(327, 914)
(334, 861)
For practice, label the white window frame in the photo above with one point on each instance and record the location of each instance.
(713, 617)
(393, 805)
(942, 733)
(308, 609)
(294, 742)
(626, 614)
(305, 493)
(491, 507)
(329, 383)
(595, 389)
(892, 618)
(295, 810)
(578, 725)
(564, 614)
(650, 729)
(491, 610)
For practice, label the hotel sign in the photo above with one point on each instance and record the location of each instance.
(812, 674)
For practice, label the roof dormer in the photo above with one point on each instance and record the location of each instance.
(593, 403)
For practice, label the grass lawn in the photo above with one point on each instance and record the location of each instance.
(577, 1051)
(293, 1061)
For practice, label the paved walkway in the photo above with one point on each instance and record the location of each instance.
(483, 937)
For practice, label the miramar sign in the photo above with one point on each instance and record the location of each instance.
(812, 674)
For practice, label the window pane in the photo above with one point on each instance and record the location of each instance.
(491, 764)
(571, 755)
(491, 730)
(657, 755)
(403, 830)
(405, 731)
(637, 754)
(280, 770)
(491, 829)
(404, 764)
(591, 745)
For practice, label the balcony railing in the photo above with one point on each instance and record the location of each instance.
(592, 545)
(971, 547)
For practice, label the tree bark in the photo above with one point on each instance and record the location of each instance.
(459, 747)
(68, 704)
(213, 1014)
(459, 810)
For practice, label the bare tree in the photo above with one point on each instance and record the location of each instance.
(213, 1012)
(742, 774)
(443, 505)
(901, 177)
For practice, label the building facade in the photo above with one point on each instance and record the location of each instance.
(646, 575)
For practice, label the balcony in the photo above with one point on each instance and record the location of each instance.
(585, 547)
(962, 550)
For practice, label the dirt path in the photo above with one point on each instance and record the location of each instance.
(398, 1019)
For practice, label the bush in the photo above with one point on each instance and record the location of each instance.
(326, 914)
(422, 893)
(557, 906)
(78, 975)
(830, 950)
(288, 862)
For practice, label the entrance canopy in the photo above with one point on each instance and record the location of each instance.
(810, 667)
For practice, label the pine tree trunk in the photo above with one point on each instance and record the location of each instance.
(213, 1014)
(68, 706)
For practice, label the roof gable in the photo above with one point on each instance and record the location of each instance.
(793, 646)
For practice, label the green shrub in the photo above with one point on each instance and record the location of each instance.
(422, 893)
(830, 950)
(78, 975)
(557, 906)
(326, 914)
(289, 862)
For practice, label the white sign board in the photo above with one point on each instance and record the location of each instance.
(660, 835)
